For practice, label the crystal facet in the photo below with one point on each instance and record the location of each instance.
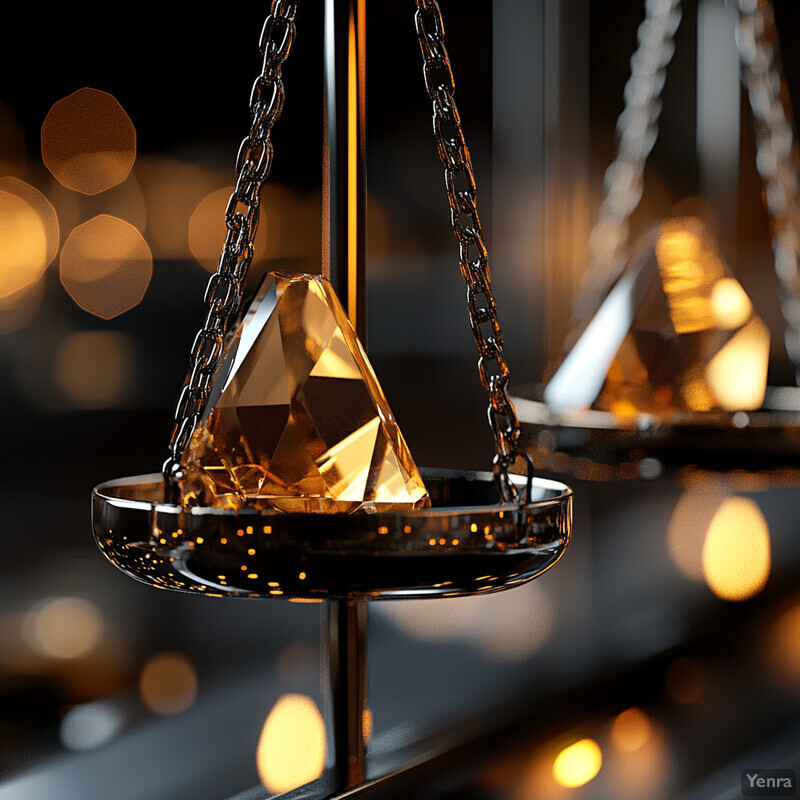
(296, 419)
(676, 334)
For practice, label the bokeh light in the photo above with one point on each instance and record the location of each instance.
(106, 266)
(688, 526)
(91, 725)
(88, 141)
(630, 730)
(297, 662)
(736, 553)
(502, 627)
(172, 191)
(207, 229)
(783, 646)
(291, 750)
(168, 683)
(64, 627)
(578, 764)
(95, 369)
(687, 680)
(43, 208)
(23, 244)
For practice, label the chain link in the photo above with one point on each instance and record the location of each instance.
(637, 130)
(223, 295)
(776, 153)
(473, 255)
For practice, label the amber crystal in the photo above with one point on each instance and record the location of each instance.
(296, 419)
(677, 334)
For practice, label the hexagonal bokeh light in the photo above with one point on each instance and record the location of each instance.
(88, 141)
(106, 266)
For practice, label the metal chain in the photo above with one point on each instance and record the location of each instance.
(637, 130)
(223, 295)
(776, 153)
(473, 256)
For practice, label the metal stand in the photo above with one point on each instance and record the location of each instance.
(344, 622)
(344, 675)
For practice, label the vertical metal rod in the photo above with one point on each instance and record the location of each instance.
(344, 164)
(344, 623)
(344, 639)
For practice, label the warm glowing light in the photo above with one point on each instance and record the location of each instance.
(291, 750)
(172, 190)
(687, 681)
(688, 526)
(577, 764)
(95, 369)
(783, 645)
(23, 244)
(42, 207)
(730, 304)
(207, 230)
(168, 683)
(738, 372)
(736, 553)
(64, 627)
(366, 722)
(106, 266)
(88, 141)
(630, 730)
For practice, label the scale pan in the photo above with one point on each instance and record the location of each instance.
(466, 543)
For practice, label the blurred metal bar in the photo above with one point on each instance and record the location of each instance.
(718, 115)
(518, 178)
(344, 675)
(344, 194)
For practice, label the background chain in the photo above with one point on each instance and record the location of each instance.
(776, 153)
(223, 297)
(473, 256)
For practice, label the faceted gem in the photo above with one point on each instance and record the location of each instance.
(296, 419)
(676, 334)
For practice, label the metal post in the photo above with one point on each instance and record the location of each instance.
(344, 623)
(344, 633)
(344, 177)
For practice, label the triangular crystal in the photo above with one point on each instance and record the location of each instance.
(676, 334)
(296, 419)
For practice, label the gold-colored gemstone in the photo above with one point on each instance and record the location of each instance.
(676, 334)
(296, 418)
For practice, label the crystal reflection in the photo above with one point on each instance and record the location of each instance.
(676, 334)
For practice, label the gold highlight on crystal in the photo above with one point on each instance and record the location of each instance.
(676, 334)
(296, 420)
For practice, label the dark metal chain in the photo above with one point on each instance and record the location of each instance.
(473, 256)
(777, 154)
(223, 295)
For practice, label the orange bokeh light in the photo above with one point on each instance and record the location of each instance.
(106, 266)
(88, 141)
(207, 229)
(42, 206)
(23, 244)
